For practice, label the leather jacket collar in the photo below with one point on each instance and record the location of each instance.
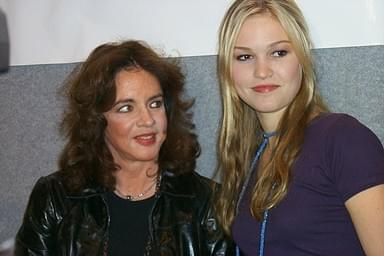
(169, 185)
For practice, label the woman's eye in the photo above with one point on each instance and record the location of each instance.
(279, 53)
(156, 104)
(243, 57)
(125, 108)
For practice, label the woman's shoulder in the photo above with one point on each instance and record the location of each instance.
(342, 131)
(339, 136)
(334, 119)
(47, 182)
(42, 200)
(56, 177)
(353, 154)
(192, 177)
(46, 186)
(193, 184)
(340, 125)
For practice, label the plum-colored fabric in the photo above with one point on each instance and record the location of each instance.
(340, 158)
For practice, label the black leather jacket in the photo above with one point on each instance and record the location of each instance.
(181, 222)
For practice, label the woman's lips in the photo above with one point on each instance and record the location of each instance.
(265, 88)
(146, 139)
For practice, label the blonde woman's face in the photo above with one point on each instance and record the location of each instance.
(265, 69)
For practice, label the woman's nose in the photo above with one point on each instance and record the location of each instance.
(145, 118)
(262, 69)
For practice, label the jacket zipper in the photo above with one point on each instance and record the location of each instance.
(151, 241)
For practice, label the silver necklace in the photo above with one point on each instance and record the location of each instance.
(140, 195)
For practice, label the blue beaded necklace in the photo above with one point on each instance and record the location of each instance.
(263, 226)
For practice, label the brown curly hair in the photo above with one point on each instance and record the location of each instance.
(90, 91)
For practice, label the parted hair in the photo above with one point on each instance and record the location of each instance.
(241, 131)
(90, 91)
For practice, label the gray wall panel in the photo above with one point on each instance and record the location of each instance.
(350, 79)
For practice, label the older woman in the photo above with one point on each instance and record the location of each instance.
(126, 184)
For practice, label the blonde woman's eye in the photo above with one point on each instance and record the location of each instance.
(125, 108)
(280, 53)
(156, 104)
(243, 57)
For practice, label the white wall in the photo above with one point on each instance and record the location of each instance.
(339, 23)
(61, 31)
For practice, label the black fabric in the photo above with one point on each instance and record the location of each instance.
(128, 229)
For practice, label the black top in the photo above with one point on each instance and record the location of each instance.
(128, 230)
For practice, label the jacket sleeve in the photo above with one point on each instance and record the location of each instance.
(36, 234)
(218, 243)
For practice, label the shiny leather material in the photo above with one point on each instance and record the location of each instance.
(56, 223)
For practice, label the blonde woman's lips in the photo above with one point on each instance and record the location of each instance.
(265, 88)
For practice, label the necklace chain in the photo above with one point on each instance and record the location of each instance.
(140, 195)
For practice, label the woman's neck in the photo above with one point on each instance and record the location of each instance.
(269, 121)
(135, 177)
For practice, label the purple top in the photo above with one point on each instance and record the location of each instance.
(340, 158)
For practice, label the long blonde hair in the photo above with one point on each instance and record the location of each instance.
(240, 128)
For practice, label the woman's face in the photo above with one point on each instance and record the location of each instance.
(265, 69)
(137, 122)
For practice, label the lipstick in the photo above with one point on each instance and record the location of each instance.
(265, 88)
(146, 139)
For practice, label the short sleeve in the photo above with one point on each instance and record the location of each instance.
(356, 157)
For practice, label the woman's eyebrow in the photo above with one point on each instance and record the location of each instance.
(270, 45)
(122, 101)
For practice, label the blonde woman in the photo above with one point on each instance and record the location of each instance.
(297, 179)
